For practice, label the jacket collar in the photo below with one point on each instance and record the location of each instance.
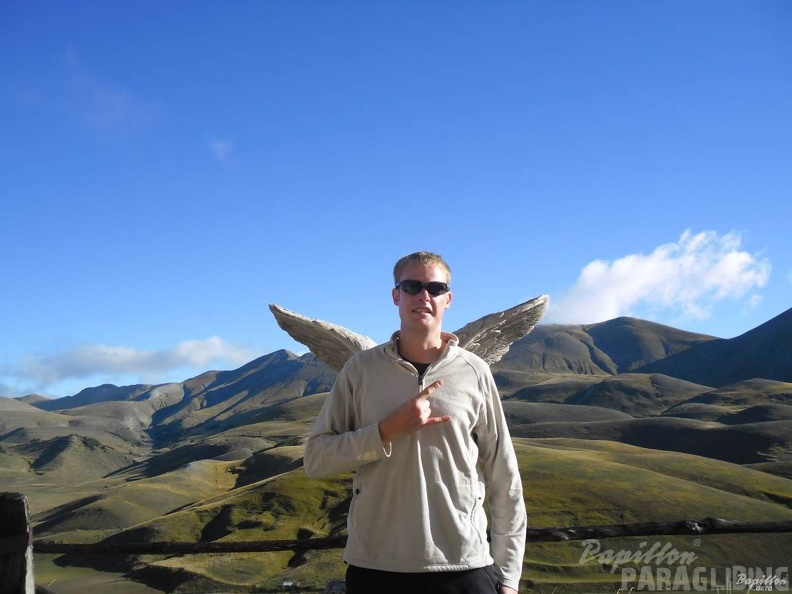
(449, 339)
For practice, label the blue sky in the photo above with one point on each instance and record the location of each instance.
(170, 168)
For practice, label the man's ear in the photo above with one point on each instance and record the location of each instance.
(395, 294)
(450, 296)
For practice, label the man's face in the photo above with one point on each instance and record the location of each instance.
(423, 309)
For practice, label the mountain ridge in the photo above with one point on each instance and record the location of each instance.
(727, 361)
(219, 456)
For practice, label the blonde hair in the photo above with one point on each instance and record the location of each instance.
(422, 259)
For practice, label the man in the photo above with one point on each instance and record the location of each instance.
(420, 420)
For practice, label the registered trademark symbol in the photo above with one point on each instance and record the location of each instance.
(697, 542)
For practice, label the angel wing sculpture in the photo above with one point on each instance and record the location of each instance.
(488, 337)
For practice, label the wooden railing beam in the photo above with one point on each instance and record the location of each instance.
(686, 527)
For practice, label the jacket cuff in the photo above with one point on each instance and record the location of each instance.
(515, 584)
(373, 444)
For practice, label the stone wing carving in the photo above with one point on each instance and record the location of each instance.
(491, 336)
(488, 337)
(332, 344)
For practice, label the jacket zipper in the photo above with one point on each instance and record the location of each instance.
(420, 377)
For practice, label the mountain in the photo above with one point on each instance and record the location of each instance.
(764, 352)
(218, 401)
(206, 404)
(613, 422)
(89, 396)
(616, 346)
(638, 394)
(625, 345)
(627, 365)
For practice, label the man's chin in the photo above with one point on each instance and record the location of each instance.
(423, 321)
(426, 319)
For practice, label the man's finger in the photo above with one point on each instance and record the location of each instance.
(426, 392)
(437, 420)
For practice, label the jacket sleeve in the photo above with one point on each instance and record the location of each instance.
(504, 486)
(336, 444)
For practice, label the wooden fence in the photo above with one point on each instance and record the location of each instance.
(17, 544)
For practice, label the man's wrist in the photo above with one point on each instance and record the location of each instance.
(384, 438)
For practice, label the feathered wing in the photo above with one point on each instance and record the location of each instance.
(332, 344)
(491, 336)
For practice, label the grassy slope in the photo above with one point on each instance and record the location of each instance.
(246, 490)
(749, 443)
(567, 482)
(574, 482)
(287, 506)
(563, 478)
(130, 503)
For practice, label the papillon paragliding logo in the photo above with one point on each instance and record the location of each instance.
(660, 567)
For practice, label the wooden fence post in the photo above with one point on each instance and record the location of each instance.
(16, 545)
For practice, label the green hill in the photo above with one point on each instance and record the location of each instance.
(599, 440)
(567, 482)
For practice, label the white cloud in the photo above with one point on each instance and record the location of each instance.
(752, 302)
(687, 277)
(104, 106)
(44, 370)
(221, 149)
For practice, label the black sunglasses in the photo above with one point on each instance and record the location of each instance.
(413, 287)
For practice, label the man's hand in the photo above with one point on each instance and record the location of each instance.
(411, 416)
(507, 590)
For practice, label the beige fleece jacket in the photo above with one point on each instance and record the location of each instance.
(417, 505)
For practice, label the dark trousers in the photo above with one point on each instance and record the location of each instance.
(372, 581)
